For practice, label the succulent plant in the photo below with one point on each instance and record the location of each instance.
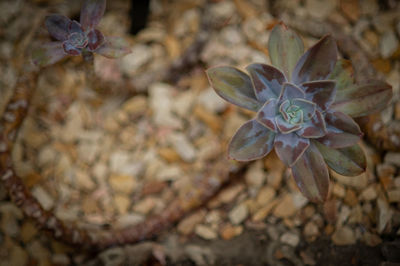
(74, 38)
(304, 104)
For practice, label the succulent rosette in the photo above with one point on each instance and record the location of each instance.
(74, 38)
(304, 103)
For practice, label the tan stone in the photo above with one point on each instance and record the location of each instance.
(265, 195)
(344, 236)
(228, 232)
(205, 232)
(187, 225)
(122, 183)
(122, 203)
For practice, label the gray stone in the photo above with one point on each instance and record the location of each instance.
(393, 158)
(388, 44)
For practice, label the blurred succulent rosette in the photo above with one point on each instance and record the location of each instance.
(78, 38)
(305, 103)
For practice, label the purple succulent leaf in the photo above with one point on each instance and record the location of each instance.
(96, 38)
(71, 49)
(363, 100)
(322, 93)
(234, 86)
(113, 47)
(342, 130)
(290, 147)
(266, 115)
(48, 54)
(306, 106)
(91, 13)
(343, 74)
(311, 175)
(290, 91)
(75, 27)
(285, 48)
(317, 62)
(57, 25)
(348, 161)
(251, 141)
(284, 126)
(314, 128)
(282, 109)
(267, 81)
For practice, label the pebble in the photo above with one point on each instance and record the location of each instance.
(286, 207)
(205, 232)
(394, 195)
(290, 238)
(369, 193)
(187, 225)
(311, 231)
(211, 101)
(123, 183)
(255, 175)
(320, 9)
(28, 231)
(44, 198)
(265, 195)
(392, 158)
(371, 239)
(83, 180)
(238, 214)
(388, 44)
(338, 190)
(384, 214)
(122, 203)
(228, 232)
(359, 182)
(262, 213)
(131, 63)
(183, 147)
(344, 236)
(129, 219)
(161, 102)
(145, 205)
(10, 215)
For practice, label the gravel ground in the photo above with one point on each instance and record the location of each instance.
(115, 151)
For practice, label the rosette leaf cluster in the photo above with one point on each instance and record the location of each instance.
(304, 103)
(78, 38)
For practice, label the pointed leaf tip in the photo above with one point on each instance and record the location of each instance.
(348, 161)
(316, 63)
(311, 175)
(362, 100)
(57, 26)
(234, 86)
(47, 54)
(91, 13)
(252, 141)
(285, 48)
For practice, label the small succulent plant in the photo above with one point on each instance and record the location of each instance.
(74, 38)
(304, 104)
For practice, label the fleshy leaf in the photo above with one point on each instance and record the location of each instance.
(284, 126)
(266, 115)
(306, 106)
(285, 48)
(113, 48)
(251, 141)
(348, 161)
(96, 38)
(267, 81)
(314, 128)
(290, 91)
(311, 175)
(322, 93)
(57, 25)
(91, 13)
(290, 147)
(342, 130)
(48, 53)
(343, 74)
(70, 49)
(234, 86)
(363, 100)
(75, 27)
(317, 62)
